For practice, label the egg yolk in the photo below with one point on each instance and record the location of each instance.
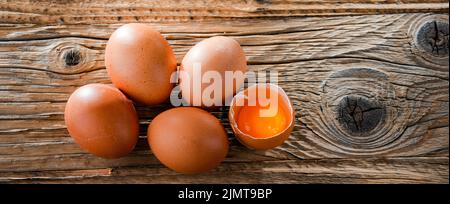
(251, 122)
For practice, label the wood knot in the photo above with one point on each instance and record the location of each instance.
(356, 113)
(69, 57)
(72, 57)
(429, 44)
(369, 112)
(359, 114)
(432, 37)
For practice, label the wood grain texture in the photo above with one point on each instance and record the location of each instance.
(105, 11)
(371, 91)
(394, 170)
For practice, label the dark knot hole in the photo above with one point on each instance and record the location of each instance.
(433, 37)
(72, 57)
(359, 114)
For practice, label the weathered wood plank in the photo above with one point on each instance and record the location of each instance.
(104, 11)
(309, 67)
(287, 40)
(394, 170)
(327, 65)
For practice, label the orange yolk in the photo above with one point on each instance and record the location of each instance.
(252, 123)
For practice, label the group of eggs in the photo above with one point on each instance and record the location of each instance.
(102, 119)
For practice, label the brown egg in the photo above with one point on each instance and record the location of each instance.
(102, 120)
(140, 62)
(262, 125)
(219, 54)
(188, 139)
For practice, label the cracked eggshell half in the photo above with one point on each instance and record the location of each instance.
(249, 138)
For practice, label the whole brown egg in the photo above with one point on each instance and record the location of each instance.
(212, 57)
(140, 62)
(102, 120)
(188, 140)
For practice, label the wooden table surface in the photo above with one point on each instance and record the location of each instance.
(369, 80)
